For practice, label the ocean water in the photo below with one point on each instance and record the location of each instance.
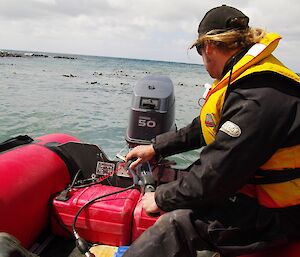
(88, 97)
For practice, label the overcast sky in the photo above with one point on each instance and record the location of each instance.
(143, 29)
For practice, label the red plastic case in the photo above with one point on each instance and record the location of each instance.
(107, 221)
(141, 221)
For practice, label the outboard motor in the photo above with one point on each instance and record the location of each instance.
(152, 109)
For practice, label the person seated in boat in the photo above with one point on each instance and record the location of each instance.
(243, 193)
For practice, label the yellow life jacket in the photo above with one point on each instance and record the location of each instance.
(257, 59)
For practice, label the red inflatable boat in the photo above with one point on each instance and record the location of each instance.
(32, 174)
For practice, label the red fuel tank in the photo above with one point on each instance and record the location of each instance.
(107, 221)
(141, 221)
(29, 175)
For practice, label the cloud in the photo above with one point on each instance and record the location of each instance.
(145, 29)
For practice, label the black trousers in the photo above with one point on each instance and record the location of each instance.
(10, 247)
(238, 226)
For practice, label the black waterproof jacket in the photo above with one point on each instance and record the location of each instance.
(266, 106)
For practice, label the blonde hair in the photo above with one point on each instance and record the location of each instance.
(232, 39)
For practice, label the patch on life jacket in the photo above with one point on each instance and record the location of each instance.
(209, 121)
(231, 129)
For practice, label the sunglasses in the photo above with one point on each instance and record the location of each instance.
(199, 48)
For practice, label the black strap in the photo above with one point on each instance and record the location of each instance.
(14, 142)
(68, 159)
(275, 176)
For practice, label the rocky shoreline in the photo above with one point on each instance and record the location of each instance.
(9, 54)
(20, 55)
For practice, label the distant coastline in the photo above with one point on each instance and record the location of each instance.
(24, 53)
(19, 54)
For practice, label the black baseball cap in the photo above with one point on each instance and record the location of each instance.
(223, 18)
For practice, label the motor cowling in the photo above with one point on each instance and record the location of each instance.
(152, 109)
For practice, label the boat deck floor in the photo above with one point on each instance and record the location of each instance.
(60, 247)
